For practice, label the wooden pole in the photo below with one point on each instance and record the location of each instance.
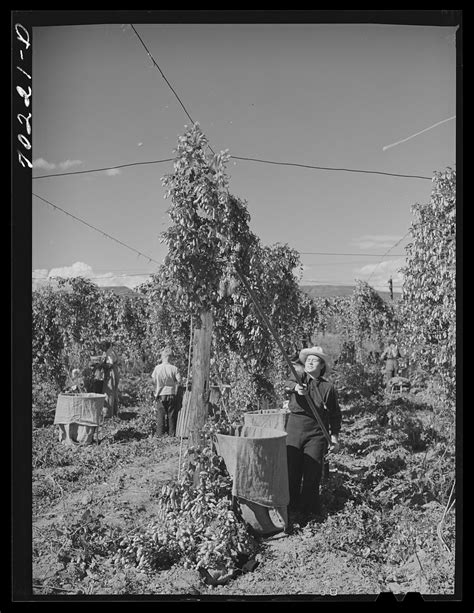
(273, 332)
(200, 376)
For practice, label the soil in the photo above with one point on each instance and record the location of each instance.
(135, 463)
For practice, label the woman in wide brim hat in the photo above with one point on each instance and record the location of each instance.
(306, 443)
(304, 353)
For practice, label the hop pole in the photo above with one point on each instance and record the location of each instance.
(273, 332)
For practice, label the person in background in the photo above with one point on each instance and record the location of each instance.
(75, 383)
(306, 444)
(390, 355)
(95, 372)
(110, 364)
(167, 379)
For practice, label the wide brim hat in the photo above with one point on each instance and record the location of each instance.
(304, 353)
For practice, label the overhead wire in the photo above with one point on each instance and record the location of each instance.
(282, 163)
(81, 172)
(148, 273)
(55, 206)
(150, 259)
(332, 253)
(286, 163)
(120, 272)
(353, 170)
(256, 159)
(162, 73)
(164, 77)
(232, 157)
(375, 255)
(372, 172)
(302, 282)
(106, 276)
(385, 254)
(335, 283)
(235, 157)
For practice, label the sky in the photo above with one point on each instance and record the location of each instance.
(327, 95)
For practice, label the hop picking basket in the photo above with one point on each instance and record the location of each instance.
(256, 460)
(78, 416)
(269, 418)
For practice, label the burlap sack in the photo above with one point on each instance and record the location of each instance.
(83, 409)
(256, 460)
(78, 416)
(271, 418)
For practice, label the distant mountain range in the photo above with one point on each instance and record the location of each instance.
(120, 290)
(326, 291)
(315, 291)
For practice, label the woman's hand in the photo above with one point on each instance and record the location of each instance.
(301, 389)
(334, 446)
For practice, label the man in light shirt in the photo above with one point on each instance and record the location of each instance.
(167, 379)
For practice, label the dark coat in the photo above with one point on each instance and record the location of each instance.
(330, 413)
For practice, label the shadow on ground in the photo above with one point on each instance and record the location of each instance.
(127, 415)
(129, 435)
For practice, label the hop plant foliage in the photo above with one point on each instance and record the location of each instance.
(428, 309)
(71, 319)
(198, 524)
(210, 250)
(208, 224)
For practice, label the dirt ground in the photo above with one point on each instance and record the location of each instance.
(286, 564)
(118, 480)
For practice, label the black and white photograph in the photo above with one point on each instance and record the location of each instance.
(236, 306)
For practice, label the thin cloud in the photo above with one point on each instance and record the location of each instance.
(42, 276)
(40, 273)
(39, 278)
(376, 241)
(418, 133)
(42, 163)
(78, 269)
(111, 172)
(69, 164)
